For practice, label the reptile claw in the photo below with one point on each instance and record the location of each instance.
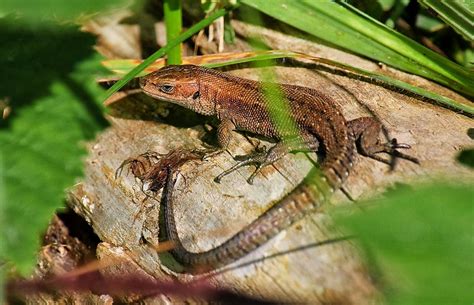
(251, 178)
(260, 159)
(209, 153)
(218, 179)
(395, 145)
(402, 146)
(392, 147)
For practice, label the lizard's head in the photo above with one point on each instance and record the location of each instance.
(179, 85)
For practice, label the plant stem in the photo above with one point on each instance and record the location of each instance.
(173, 23)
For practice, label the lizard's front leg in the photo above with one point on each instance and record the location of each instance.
(366, 131)
(264, 158)
(224, 135)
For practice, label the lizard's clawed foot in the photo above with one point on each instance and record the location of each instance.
(393, 144)
(260, 158)
(209, 153)
(391, 148)
(151, 167)
(139, 165)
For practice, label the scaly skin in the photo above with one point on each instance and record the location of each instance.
(240, 104)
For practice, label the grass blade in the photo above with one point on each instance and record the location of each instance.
(342, 25)
(173, 23)
(458, 14)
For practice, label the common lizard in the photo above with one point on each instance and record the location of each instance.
(240, 104)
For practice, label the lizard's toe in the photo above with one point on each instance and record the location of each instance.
(393, 144)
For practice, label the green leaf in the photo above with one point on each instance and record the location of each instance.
(429, 23)
(458, 14)
(373, 8)
(422, 242)
(387, 4)
(37, 11)
(342, 25)
(396, 12)
(208, 6)
(49, 78)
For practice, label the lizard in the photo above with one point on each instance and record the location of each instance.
(241, 105)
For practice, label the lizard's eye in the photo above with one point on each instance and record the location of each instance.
(166, 88)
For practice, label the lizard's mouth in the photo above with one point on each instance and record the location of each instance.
(144, 85)
(154, 95)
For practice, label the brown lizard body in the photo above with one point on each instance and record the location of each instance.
(240, 104)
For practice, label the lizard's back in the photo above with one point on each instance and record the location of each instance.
(318, 117)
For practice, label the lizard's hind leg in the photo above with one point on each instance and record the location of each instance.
(366, 131)
(262, 157)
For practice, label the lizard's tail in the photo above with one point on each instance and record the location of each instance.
(307, 197)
